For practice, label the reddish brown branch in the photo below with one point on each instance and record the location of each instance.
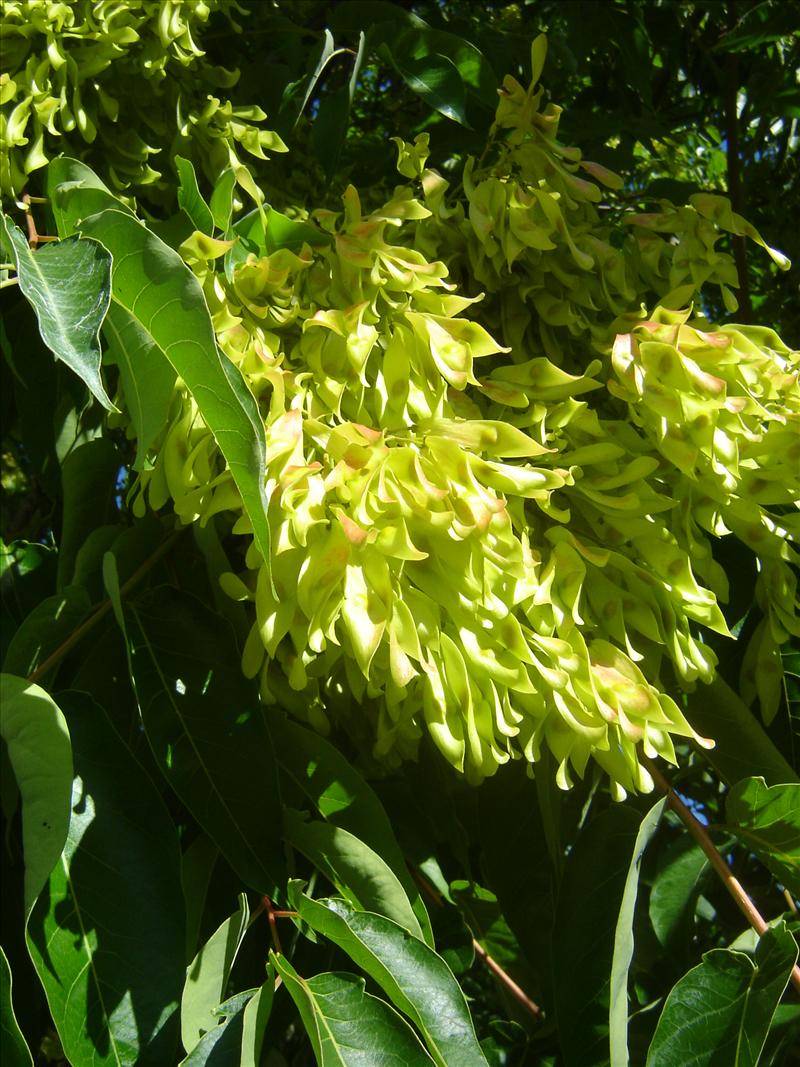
(89, 624)
(506, 980)
(273, 926)
(502, 976)
(721, 868)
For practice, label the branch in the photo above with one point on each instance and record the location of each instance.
(89, 624)
(502, 976)
(700, 834)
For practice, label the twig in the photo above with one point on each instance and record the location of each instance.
(700, 834)
(273, 926)
(89, 624)
(502, 976)
(34, 238)
(507, 980)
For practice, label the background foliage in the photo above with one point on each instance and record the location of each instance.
(410, 917)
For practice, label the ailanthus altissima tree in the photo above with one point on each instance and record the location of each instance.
(453, 461)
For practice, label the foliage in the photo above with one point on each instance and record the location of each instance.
(381, 515)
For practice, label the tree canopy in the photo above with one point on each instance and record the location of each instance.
(401, 463)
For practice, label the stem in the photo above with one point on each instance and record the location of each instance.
(507, 980)
(273, 926)
(502, 976)
(7, 282)
(700, 834)
(89, 624)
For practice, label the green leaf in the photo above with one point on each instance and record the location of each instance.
(66, 177)
(265, 231)
(68, 284)
(487, 923)
(347, 1026)
(148, 379)
(675, 890)
(767, 820)
(344, 798)
(220, 1047)
(190, 198)
(35, 731)
(721, 1011)
(221, 203)
(205, 724)
(47, 626)
(471, 64)
(741, 745)
(623, 941)
(27, 575)
(107, 935)
(358, 873)
(197, 866)
(525, 888)
(436, 79)
(329, 132)
(88, 479)
(207, 977)
(414, 977)
(14, 1051)
(596, 873)
(151, 282)
(256, 1016)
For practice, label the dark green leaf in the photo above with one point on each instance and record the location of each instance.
(34, 729)
(674, 894)
(742, 747)
(471, 64)
(27, 575)
(767, 820)
(206, 728)
(595, 876)
(107, 933)
(68, 284)
(436, 79)
(329, 131)
(525, 889)
(88, 478)
(346, 1026)
(720, 1012)
(190, 198)
(50, 623)
(414, 977)
(14, 1051)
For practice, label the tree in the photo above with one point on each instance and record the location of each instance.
(399, 569)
